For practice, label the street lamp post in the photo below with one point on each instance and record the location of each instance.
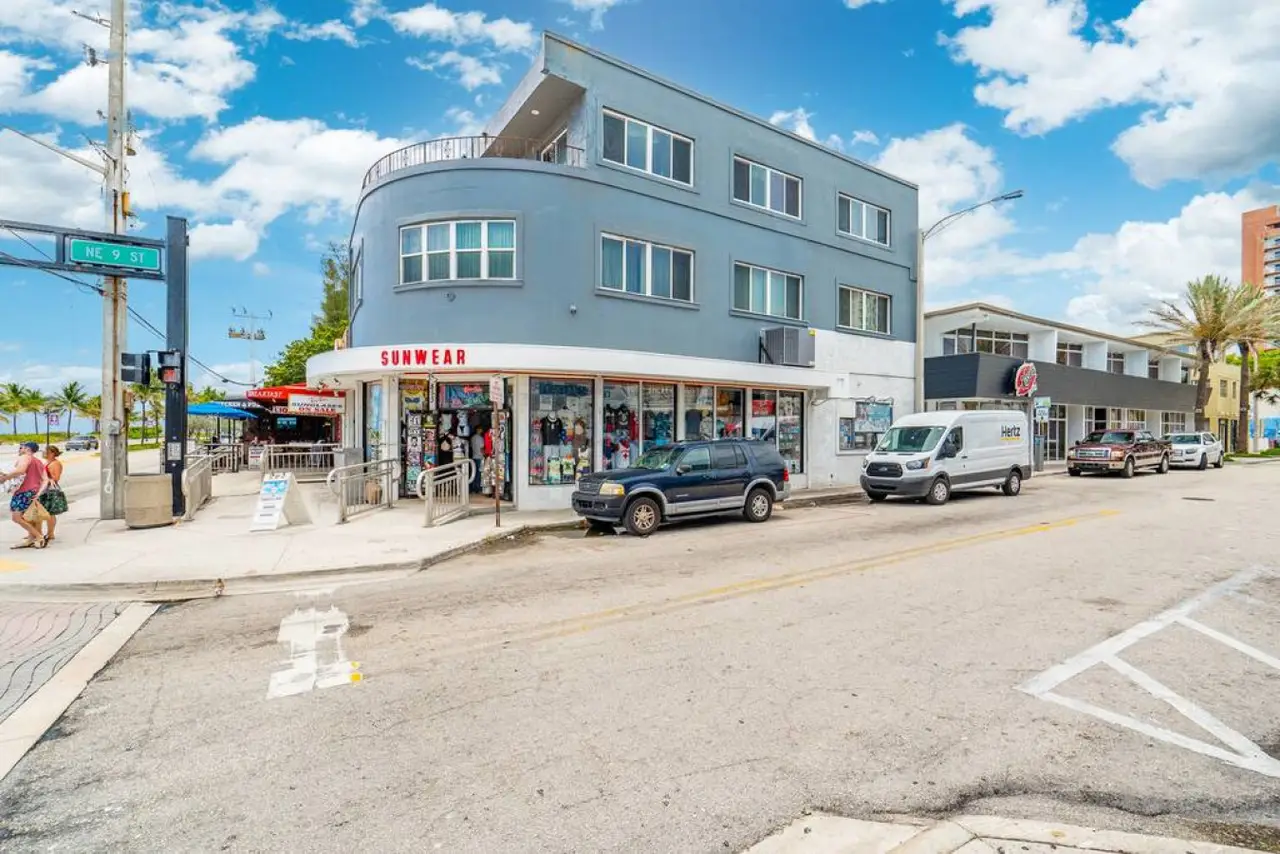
(921, 236)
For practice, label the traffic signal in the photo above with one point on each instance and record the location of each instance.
(135, 368)
(170, 367)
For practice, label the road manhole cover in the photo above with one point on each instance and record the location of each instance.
(1195, 498)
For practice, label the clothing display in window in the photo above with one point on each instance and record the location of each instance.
(560, 424)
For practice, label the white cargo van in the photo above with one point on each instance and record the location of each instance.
(929, 455)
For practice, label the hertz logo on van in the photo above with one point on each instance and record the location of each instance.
(1010, 433)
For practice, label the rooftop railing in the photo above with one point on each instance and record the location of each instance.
(471, 147)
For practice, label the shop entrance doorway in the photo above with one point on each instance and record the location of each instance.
(457, 422)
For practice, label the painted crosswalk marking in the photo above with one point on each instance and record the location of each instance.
(1231, 747)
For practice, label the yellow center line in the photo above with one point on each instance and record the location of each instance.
(12, 565)
(600, 619)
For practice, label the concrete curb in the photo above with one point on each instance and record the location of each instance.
(212, 588)
(23, 729)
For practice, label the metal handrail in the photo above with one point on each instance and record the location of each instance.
(197, 483)
(363, 486)
(307, 462)
(446, 491)
(470, 147)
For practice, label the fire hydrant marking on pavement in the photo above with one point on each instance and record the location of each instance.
(1232, 747)
(316, 657)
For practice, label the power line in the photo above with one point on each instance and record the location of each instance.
(97, 289)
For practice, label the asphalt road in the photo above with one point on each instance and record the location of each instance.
(696, 690)
(80, 468)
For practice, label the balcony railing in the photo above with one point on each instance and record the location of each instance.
(471, 147)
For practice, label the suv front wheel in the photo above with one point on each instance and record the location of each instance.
(759, 506)
(642, 517)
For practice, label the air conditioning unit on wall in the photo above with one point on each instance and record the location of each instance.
(788, 345)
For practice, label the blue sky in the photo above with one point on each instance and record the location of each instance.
(1138, 130)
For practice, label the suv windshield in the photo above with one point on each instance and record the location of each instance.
(909, 440)
(1109, 437)
(656, 459)
(1185, 439)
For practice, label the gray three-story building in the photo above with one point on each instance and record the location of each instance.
(619, 263)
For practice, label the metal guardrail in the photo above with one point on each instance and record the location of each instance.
(363, 486)
(446, 490)
(307, 463)
(470, 147)
(197, 484)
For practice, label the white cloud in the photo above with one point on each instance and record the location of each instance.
(37, 185)
(463, 28)
(1204, 71)
(261, 269)
(596, 9)
(238, 371)
(466, 123)
(797, 121)
(1145, 261)
(364, 11)
(471, 72)
(185, 60)
(865, 137)
(49, 378)
(236, 239)
(332, 30)
(952, 172)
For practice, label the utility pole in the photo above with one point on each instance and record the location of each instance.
(115, 311)
(253, 333)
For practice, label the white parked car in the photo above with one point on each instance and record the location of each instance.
(1196, 449)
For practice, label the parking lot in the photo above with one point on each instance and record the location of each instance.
(697, 689)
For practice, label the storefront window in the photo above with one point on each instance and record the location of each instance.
(764, 415)
(372, 421)
(659, 415)
(1173, 422)
(561, 414)
(699, 412)
(1136, 419)
(621, 438)
(729, 413)
(791, 429)
(862, 432)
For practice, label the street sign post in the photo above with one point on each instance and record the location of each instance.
(103, 254)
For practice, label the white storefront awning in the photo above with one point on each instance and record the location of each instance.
(345, 368)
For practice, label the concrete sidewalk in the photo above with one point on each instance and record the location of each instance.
(215, 554)
(829, 834)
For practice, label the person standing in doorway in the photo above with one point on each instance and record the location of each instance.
(53, 499)
(34, 479)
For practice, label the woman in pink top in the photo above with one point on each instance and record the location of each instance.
(34, 481)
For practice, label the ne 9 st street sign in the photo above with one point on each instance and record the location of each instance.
(100, 254)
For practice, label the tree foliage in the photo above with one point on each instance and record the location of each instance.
(71, 399)
(326, 326)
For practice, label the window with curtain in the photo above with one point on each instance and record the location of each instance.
(864, 311)
(458, 251)
(765, 187)
(645, 269)
(763, 291)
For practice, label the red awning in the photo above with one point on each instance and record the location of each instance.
(280, 393)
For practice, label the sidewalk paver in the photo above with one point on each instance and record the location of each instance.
(37, 640)
(821, 833)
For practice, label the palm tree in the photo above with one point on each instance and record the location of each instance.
(92, 409)
(11, 402)
(71, 399)
(1206, 318)
(30, 400)
(149, 395)
(1259, 323)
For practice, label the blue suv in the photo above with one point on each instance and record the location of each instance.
(686, 480)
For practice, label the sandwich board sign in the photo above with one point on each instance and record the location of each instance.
(279, 503)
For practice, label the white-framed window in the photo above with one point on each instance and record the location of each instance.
(1173, 422)
(864, 220)
(1153, 369)
(865, 311)
(1115, 362)
(1222, 388)
(1071, 355)
(766, 187)
(763, 291)
(557, 150)
(458, 250)
(1135, 419)
(647, 269)
(648, 148)
(1015, 344)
